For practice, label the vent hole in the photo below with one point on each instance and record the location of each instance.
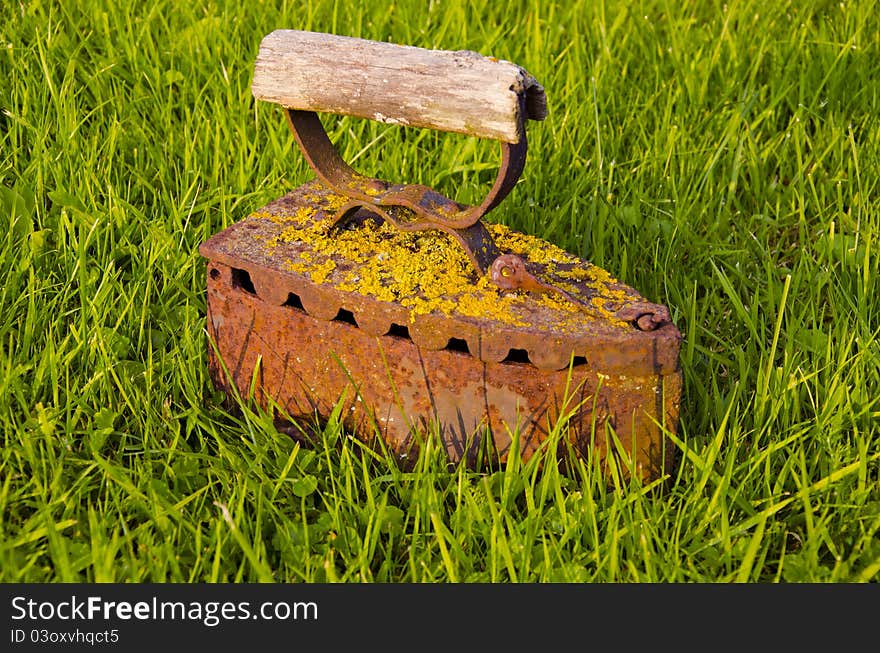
(293, 301)
(578, 360)
(345, 316)
(517, 356)
(458, 344)
(400, 331)
(215, 274)
(242, 280)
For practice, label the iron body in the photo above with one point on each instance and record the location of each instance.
(300, 347)
(406, 306)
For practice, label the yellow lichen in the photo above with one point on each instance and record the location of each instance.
(317, 272)
(429, 272)
(532, 249)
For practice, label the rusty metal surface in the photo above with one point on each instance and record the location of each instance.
(550, 337)
(390, 385)
(509, 271)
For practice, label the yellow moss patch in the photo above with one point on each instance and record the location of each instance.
(317, 272)
(428, 271)
(531, 248)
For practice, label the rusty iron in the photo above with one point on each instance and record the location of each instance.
(600, 359)
(302, 346)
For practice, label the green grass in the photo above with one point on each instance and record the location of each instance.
(720, 158)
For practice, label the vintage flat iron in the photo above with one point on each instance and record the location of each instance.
(406, 305)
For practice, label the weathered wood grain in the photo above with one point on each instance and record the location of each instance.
(455, 91)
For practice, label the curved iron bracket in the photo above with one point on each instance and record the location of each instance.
(431, 209)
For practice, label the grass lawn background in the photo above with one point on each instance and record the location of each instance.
(721, 158)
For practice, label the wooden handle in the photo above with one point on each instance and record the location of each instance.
(455, 91)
